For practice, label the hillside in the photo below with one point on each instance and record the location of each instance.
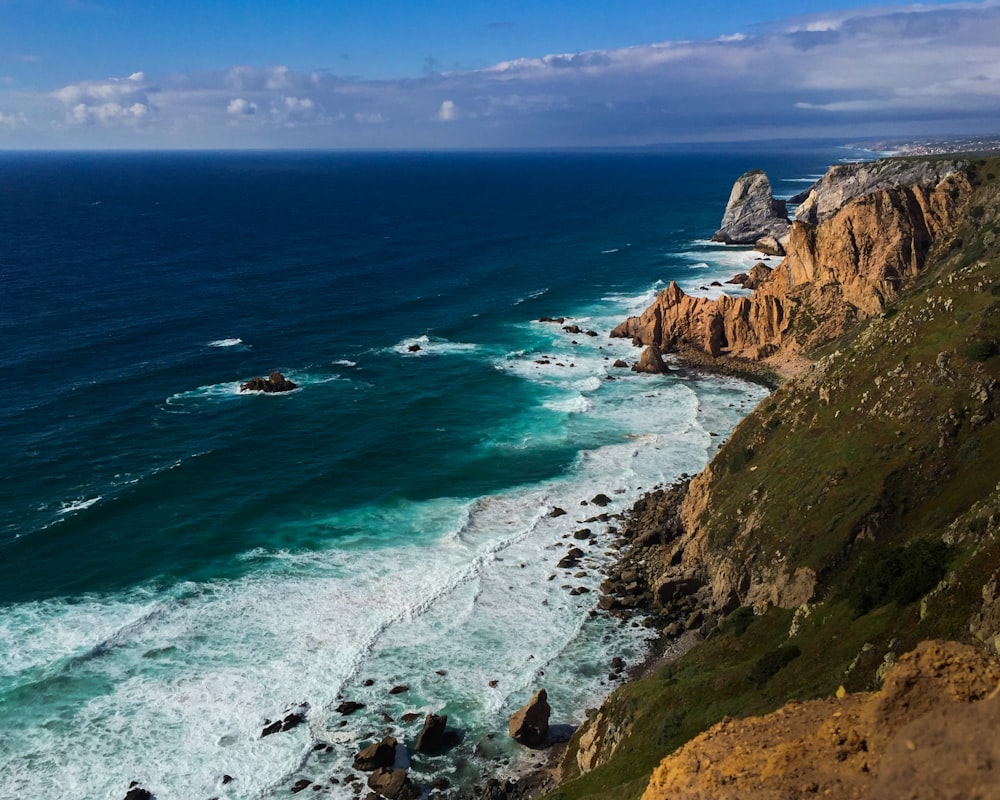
(851, 516)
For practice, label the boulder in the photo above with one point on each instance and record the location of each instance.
(275, 382)
(619, 364)
(394, 784)
(435, 737)
(380, 755)
(136, 792)
(529, 725)
(769, 246)
(752, 212)
(650, 362)
(349, 707)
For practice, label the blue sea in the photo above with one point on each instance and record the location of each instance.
(181, 563)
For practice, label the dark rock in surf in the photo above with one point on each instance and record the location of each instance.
(275, 382)
(380, 755)
(529, 725)
(136, 792)
(435, 737)
(394, 784)
(349, 707)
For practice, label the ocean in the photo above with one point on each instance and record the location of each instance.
(182, 563)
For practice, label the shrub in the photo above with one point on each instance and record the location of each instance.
(901, 575)
(769, 664)
(981, 350)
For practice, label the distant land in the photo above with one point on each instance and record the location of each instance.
(933, 146)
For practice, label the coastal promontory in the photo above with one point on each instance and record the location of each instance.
(828, 588)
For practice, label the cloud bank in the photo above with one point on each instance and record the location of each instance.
(879, 71)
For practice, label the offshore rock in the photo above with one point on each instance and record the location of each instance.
(275, 382)
(529, 725)
(752, 212)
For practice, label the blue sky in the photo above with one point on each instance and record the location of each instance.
(555, 73)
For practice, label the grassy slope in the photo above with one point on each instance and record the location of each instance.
(886, 443)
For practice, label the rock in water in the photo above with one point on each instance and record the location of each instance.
(136, 792)
(752, 213)
(530, 725)
(275, 382)
(381, 755)
(650, 362)
(434, 737)
(394, 784)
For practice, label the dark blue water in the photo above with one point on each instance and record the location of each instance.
(147, 507)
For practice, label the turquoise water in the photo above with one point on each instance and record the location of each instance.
(180, 562)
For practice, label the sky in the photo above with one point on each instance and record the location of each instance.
(443, 74)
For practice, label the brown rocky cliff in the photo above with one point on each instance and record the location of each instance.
(929, 733)
(845, 268)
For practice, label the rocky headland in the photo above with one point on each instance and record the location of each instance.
(860, 236)
(848, 520)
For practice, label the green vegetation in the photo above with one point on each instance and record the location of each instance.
(902, 575)
(879, 472)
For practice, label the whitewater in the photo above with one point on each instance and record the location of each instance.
(183, 564)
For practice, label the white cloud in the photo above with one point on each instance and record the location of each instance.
(448, 112)
(241, 107)
(899, 65)
(109, 102)
(16, 120)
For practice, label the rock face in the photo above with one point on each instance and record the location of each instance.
(752, 213)
(529, 725)
(930, 731)
(843, 183)
(275, 382)
(846, 267)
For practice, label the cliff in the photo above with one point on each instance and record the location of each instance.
(854, 514)
(871, 237)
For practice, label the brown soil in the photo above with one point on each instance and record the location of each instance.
(931, 732)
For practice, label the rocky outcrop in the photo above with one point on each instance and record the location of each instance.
(759, 273)
(930, 731)
(529, 725)
(843, 183)
(843, 269)
(275, 382)
(752, 213)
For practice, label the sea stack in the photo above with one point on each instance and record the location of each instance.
(752, 215)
